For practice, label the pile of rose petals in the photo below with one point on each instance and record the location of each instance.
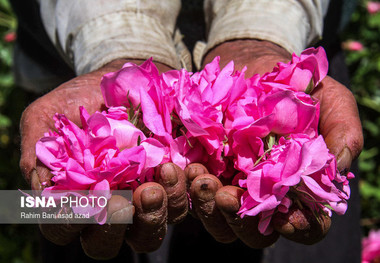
(260, 133)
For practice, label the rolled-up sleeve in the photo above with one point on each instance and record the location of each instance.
(292, 24)
(91, 33)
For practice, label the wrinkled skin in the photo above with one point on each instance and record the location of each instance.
(165, 201)
(339, 125)
(154, 204)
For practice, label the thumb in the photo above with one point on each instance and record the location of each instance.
(301, 225)
(32, 128)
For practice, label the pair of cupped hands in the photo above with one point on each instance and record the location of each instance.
(156, 204)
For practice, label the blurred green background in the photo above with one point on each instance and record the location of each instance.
(361, 41)
(362, 44)
(18, 243)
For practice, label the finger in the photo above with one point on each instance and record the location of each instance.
(61, 234)
(301, 225)
(43, 174)
(32, 128)
(246, 229)
(120, 210)
(172, 179)
(105, 241)
(339, 122)
(202, 191)
(150, 221)
(193, 170)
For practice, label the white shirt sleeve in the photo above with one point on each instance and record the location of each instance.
(91, 33)
(292, 24)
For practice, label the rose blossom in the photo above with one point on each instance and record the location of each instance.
(299, 165)
(108, 148)
(200, 102)
(302, 73)
(122, 87)
(109, 153)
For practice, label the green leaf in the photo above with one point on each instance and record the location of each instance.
(367, 190)
(310, 87)
(366, 166)
(372, 103)
(368, 153)
(373, 128)
(4, 121)
(374, 21)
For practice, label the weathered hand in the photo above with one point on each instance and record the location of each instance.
(154, 204)
(216, 205)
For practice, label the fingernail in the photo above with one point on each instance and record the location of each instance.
(123, 216)
(344, 160)
(227, 202)
(152, 199)
(194, 171)
(117, 202)
(44, 175)
(168, 174)
(299, 220)
(205, 189)
(35, 181)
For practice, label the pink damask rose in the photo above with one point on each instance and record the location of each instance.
(155, 113)
(371, 247)
(302, 73)
(200, 103)
(199, 107)
(184, 151)
(109, 152)
(148, 95)
(290, 112)
(296, 169)
(283, 112)
(122, 88)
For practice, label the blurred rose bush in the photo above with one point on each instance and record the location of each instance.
(362, 48)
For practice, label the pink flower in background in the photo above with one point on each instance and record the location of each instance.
(352, 45)
(371, 247)
(373, 7)
(10, 37)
